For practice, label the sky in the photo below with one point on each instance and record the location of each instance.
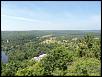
(50, 15)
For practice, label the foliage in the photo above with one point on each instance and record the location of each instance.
(34, 70)
(84, 67)
(57, 58)
(65, 56)
(58, 72)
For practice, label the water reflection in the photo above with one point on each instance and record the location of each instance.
(4, 57)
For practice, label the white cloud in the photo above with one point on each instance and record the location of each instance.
(26, 19)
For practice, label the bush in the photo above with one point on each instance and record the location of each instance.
(57, 72)
(84, 67)
(35, 70)
(59, 58)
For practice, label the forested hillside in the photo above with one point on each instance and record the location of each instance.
(68, 53)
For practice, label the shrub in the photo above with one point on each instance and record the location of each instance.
(84, 67)
(35, 70)
(59, 58)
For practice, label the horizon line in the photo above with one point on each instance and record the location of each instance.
(43, 30)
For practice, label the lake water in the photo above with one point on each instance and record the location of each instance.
(4, 57)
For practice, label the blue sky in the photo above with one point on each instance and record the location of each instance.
(50, 15)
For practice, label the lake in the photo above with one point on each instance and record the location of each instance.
(4, 57)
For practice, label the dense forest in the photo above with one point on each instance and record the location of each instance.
(68, 53)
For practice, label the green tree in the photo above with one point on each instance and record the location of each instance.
(84, 67)
(34, 70)
(59, 58)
